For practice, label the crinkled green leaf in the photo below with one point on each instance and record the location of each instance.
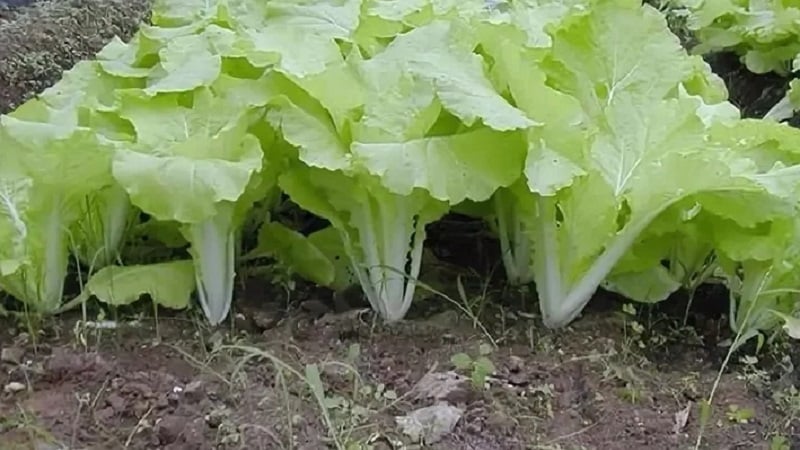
(441, 53)
(548, 171)
(405, 108)
(120, 59)
(168, 284)
(451, 168)
(278, 46)
(294, 251)
(186, 160)
(394, 10)
(617, 47)
(174, 13)
(186, 63)
(334, 19)
(329, 242)
(70, 160)
(651, 286)
(271, 32)
(15, 191)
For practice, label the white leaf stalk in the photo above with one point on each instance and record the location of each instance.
(391, 239)
(213, 251)
(559, 302)
(38, 279)
(515, 244)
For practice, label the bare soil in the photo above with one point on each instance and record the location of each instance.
(41, 39)
(172, 384)
(610, 381)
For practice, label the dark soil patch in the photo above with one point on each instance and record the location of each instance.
(754, 94)
(38, 43)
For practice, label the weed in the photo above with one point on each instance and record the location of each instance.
(737, 414)
(478, 368)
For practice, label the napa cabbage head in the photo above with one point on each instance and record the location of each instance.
(388, 137)
(625, 136)
(195, 163)
(50, 166)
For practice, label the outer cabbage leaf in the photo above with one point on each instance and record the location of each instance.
(168, 284)
(294, 251)
(442, 53)
(452, 168)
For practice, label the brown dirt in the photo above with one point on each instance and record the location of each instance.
(40, 41)
(589, 387)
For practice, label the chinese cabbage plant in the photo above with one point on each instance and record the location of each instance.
(603, 154)
(765, 35)
(48, 171)
(628, 138)
(386, 161)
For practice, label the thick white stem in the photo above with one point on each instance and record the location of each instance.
(507, 254)
(115, 209)
(368, 276)
(213, 251)
(396, 227)
(50, 291)
(548, 262)
(385, 232)
(560, 308)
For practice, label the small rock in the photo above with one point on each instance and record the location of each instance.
(12, 355)
(47, 446)
(173, 399)
(194, 391)
(104, 414)
(429, 425)
(682, 418)
(14, 387)
(315, 307)
(140, 408)
(267, 319)
(215, 418)
(515, 364)
(64, 363)
(161, 402)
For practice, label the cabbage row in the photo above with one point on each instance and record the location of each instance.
(601, 153)
(766, 35)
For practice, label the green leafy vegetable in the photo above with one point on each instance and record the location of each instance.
(168, 284)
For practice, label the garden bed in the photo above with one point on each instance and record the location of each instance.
(143, 382)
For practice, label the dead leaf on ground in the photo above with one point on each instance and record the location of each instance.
(429, 425)
(682, 418)
(439, 385)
